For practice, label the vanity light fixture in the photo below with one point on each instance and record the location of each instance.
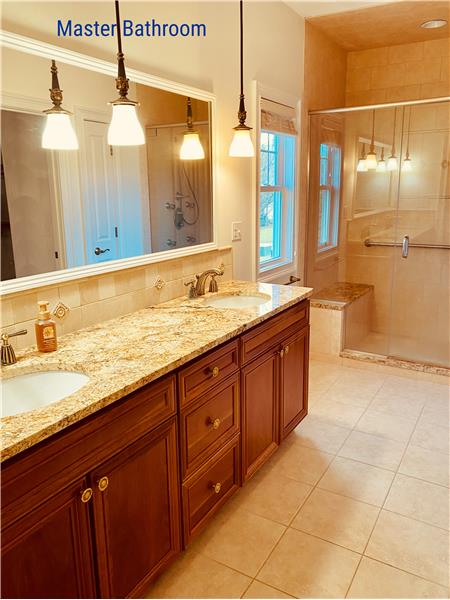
(191, 148)
(407, 162)
(381, 166)
(371, 158)
(58, 132)
(392, 163)
(242, 144)
(124, 129)
(362, 166)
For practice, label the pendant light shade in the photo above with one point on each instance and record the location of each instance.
(58, 133)
(242, 145)
(362, 166)
(191, 148)
(125, 129)
(371, 158)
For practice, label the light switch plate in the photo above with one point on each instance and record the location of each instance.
(236, 233)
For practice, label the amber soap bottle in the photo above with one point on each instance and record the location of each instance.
(45, 329)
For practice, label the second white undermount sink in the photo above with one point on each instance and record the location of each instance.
(27, 392)
(237, 301)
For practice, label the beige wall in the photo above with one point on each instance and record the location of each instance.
(99, 298)
(324, 87)
(274, 39)
(394, 73)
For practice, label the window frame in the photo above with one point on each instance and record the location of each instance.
(335, 193)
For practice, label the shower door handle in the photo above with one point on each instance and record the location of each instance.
(405, 247)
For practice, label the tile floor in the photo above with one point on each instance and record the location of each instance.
(354, 504)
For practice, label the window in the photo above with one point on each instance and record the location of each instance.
(276, 205)
(329, 193)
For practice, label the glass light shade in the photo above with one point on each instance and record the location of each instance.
(58, 132)
(381, 166)
(241, 144)
(191, 148)
(392, 163)
(371, 161)
(125, 129)
(362, 166)
(407, 165)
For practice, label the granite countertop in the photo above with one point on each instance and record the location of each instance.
(123, 354)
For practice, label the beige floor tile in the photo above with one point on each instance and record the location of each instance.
(377, 580)
(338, 519)
(317, 433)
(261, 590)
(272, 495)
(437, 412)
(350, 393)
(336, 413)
(419, 500)
(431, 436)
(301, 463)
(197, 576)
(393, 428)
(306, 567)
(357, 480)
(426, 464)
(394, 404)
(239, 539)
(410, 545)
(373, 450)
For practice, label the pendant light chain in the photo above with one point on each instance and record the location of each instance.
(122, 83)
(242, 114)
(393, 135)
(372, 143)
(409, 131)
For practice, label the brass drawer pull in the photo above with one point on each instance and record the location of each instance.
(286, 349)
(216, 487)
(215, 423)
(281, 352)
(86, 495)
(214, 371)
(103, 483)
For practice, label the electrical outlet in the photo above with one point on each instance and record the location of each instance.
(236, 233)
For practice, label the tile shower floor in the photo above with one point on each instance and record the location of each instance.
(354, 504)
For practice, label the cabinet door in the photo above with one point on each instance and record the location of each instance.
(260, 430)
(294, 381)
(137, 513)
(48, 552)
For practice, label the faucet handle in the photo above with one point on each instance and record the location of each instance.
(8, 356)
(213, 286)
(6, 336)
(192, 292)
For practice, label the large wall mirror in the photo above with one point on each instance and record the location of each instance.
(66, 209)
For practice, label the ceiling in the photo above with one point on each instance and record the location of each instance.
(384, 25)
(316, 8)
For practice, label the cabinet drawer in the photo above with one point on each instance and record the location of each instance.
(205, 425)
(206, 491)
(208, 371)
(267, 335)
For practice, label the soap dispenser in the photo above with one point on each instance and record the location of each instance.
(45, 329)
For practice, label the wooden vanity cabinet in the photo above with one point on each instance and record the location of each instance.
(94, 511)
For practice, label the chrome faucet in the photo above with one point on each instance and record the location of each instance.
(7, 352)
(197, 285)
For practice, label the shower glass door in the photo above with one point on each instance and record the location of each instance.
(420, 323)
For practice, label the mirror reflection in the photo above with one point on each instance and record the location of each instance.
(69, 208)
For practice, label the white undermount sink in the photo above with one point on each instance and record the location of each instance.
(27, 392)
(237, 301)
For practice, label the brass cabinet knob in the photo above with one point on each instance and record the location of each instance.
(103, 483)
(281, 352)
(216, 487)
(286, 349)
(86, 495)
(214, 371)
(215, 423)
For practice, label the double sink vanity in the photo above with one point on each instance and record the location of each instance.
(177, 406)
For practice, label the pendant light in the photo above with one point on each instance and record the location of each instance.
(381, 166)
(407, 162)
(392, 163)
(191, 148)
(242, 144)
(362, 166)
(371, 158)
(124, 129)
(58, 132)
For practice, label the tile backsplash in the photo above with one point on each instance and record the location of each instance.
(101, 297)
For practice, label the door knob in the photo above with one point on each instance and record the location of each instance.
(99, 251)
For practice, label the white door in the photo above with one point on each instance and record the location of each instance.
(99, 195)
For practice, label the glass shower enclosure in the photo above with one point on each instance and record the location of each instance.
(393, 223)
